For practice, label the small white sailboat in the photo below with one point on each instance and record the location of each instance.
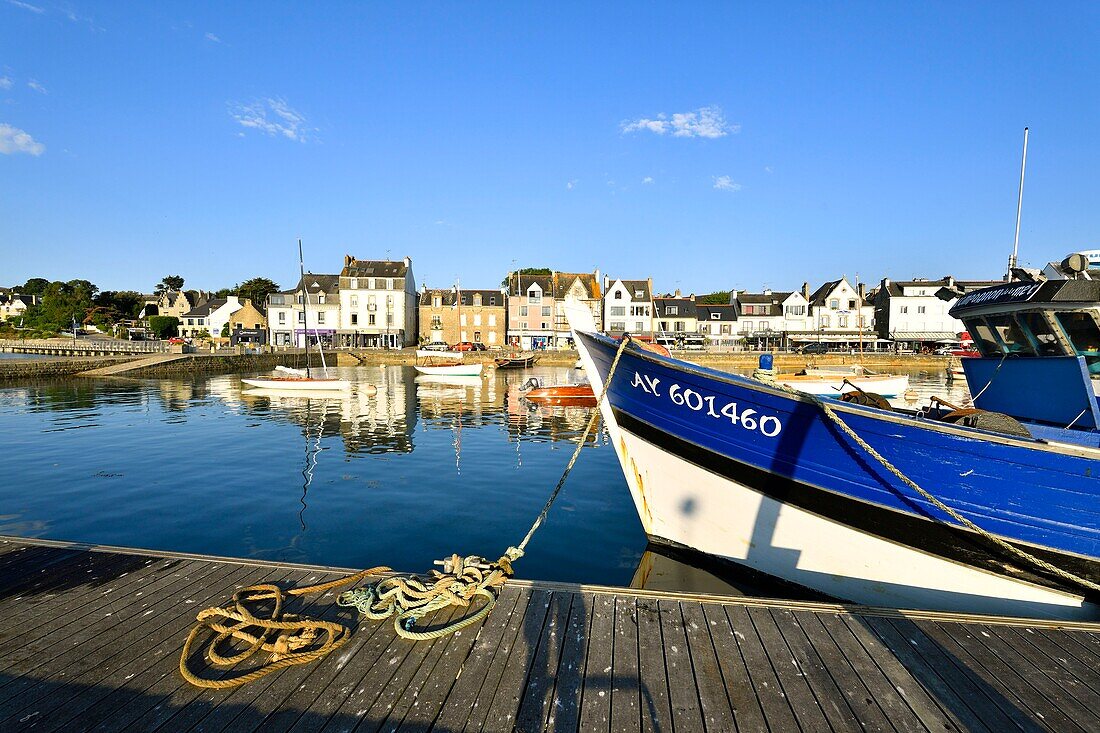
(451, 370)
(287, 378)
(834, 385)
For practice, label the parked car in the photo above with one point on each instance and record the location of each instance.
(176, 340)
(469, 346)
(436, 346)
(814, 348)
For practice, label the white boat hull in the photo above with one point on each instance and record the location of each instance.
(826, 386)
(299, 385)
(455, 370)
(685, 504)
(446, 355)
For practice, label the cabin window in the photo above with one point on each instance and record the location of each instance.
(1041, 333)
(1011, 336)
(1084, 335)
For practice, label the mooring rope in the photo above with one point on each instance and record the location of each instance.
(1010, 549)
(404, 597)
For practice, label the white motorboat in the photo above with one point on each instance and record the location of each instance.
(451, 370)
(834, 385)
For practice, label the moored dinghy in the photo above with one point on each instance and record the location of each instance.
(763, 476)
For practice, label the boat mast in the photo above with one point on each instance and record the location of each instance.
(1019, 206)
(305, 305)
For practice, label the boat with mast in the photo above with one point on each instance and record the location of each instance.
(288, 378)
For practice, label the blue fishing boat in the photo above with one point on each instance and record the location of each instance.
(812, 492)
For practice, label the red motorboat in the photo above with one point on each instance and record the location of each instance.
(573, 395)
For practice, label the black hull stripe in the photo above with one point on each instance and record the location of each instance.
(954, 544)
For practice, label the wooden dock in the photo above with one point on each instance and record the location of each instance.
(90, 638)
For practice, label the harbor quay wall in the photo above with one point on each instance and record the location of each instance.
(59, 367)
(48, 368)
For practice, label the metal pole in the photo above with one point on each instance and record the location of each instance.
(305, 306)
(1019, 206)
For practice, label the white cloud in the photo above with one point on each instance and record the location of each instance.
(570, 184)
(13, 140)
(704, 122)
(647, 179)
(212, 38)
(725, 183)
(767, 169)
(33, 84)
(272, 116)
(27, 6)
(6, 82)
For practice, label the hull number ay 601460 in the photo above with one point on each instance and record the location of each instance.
(746, 418)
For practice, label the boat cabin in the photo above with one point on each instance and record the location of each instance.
(1040, 347)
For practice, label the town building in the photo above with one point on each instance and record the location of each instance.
(286, 312)
(840, 316)
(247, 325)
(453, 315)
(176, 303)
(674, 317)
(531, 308)
(208, 319)
(765, 319)
(628, 307)
(13, 305)
(718, 324)
(575, 289)
(914, 313)
(378, 304)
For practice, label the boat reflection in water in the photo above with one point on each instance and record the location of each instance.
(680, 570)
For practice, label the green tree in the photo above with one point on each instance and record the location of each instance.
(721, 297)
(124, 303)
(34, 286)
(169, 282)
(61, 304)
(257, 289)
(511, 278)
(163, 326)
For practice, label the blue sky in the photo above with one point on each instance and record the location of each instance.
(709, 146)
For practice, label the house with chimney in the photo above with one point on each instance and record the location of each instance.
(317, 296)
(13, 305)
(841, 315)
(574, 289)
(453, 315)
(531, 311)
(208, 319)
(914, 313)
(378, 304)
(766, 320)
(628, 307)
(674, 317)
(718, 324)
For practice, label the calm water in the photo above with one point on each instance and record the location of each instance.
(418, 471)
(5, 355)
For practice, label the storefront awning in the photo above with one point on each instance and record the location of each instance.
(921, 335)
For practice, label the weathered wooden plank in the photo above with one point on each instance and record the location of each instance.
(85, 680)
(38, 573)
(1054, 680)
(807, 710)
(877, 706)
(452, 666)
(536, 694)
(82, 607)
(596, 694)
(833, 702)
(652, 674)
(51, 603)
(683, 692)
(83, 649)
(883, 673)
(504, 703)
(1074, 644)
(773, 701)
(566, 708)
(475, 669)
(928, 664)
(325, 682)
(377, 677)
(171, 694)
(713, 699)
(246, 707)
(1081, 668)
(148, 695)
(625, 678)
(747, 713)
(1002, 682)
(252, 702)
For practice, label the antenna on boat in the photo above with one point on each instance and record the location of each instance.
(305, 303)
(1019, 206)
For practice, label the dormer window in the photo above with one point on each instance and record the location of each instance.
(477, 298)
(320, 298)
(638, 294)
(672, 310)
(715, 316)
(534, 295)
